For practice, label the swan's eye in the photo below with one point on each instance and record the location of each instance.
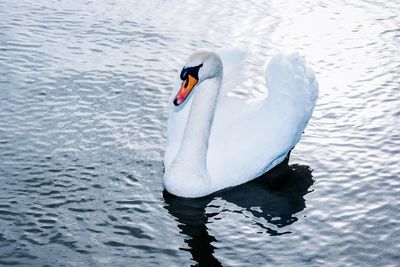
(193, 71)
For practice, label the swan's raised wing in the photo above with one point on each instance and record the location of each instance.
(259, 140)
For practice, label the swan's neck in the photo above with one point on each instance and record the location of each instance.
(187, 175)
(192, 154)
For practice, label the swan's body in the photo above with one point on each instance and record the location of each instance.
(215, 141)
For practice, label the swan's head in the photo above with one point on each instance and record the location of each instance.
(200, 66)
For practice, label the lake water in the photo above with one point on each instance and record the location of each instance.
(83, 102)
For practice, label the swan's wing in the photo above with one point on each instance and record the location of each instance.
(234, 61)
(292, 88)
(291, 81)
(260, 140)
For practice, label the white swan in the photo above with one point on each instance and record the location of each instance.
(215, 141)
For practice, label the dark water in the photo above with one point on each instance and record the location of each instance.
(83, 103)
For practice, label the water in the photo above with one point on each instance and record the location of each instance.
(83, 104)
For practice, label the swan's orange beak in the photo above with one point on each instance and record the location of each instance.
(186, 88)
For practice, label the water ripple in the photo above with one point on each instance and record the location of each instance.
(83, 105)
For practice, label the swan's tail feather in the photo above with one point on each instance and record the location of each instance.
(291, 82)
(292, 87)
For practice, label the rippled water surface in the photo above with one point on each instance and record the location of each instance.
(83, 102)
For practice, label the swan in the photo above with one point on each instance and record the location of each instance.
(216, 140)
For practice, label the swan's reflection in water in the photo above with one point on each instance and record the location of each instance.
(275, 196)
